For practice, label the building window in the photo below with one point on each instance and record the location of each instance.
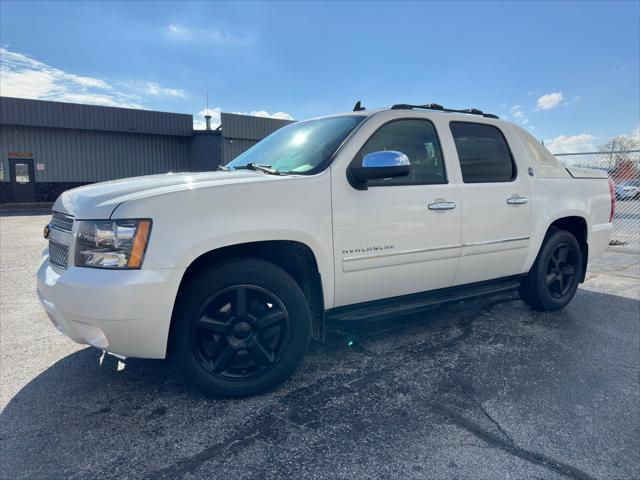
(22, 173)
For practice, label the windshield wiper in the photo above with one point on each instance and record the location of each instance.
(224, 168)
(258, 168)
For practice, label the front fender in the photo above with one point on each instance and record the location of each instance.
(189, 223)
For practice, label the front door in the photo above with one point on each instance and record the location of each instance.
(22, 180)
(401, 235)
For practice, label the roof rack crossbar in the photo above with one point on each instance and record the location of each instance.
(435, 106)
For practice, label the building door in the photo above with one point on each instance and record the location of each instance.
(22, 180)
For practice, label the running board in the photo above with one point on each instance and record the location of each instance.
(417, 302)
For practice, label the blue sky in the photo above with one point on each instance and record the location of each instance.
(569, 72)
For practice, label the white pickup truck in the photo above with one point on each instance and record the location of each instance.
(367, 214)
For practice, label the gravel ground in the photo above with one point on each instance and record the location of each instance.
(480, 389)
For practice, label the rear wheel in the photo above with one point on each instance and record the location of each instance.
(556, 273)
(240, 328)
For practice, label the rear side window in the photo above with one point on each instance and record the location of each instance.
(483, 152)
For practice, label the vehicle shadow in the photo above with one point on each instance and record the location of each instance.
(369, 383)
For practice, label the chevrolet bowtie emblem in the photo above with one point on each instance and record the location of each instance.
(46, 231)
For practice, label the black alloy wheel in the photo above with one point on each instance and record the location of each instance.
(240, 332)
(555, 275)
(561, 271)
(240, 326)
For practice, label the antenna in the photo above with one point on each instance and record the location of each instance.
(358, 107)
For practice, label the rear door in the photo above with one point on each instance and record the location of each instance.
(495, 206)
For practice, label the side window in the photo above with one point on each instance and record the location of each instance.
(483, 152)
(415, 138)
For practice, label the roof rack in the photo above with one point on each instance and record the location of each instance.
(435, 106)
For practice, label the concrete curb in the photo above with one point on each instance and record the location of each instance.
(26, 206)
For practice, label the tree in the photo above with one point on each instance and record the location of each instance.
(623, 156)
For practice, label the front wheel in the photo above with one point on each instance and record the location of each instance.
(240, 328)
(556, 273)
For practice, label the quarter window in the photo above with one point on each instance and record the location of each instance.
(418, 140)
(483, 153)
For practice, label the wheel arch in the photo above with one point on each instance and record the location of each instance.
(294, 257)
(578, 227)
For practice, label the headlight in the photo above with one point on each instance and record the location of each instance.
(111, 243)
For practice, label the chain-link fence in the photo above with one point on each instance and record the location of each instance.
(624, 168)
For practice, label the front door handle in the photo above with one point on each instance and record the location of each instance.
(441, 205)
(517, 200)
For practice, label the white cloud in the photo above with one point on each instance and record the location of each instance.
(265, 114)
(635, 134)
(516, 111)
(571, 144)
(199, 121)
(153, 88)
(25, 77)
(214, 36)
(549, 101)
(518, 114)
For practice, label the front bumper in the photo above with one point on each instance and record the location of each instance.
(126, 312)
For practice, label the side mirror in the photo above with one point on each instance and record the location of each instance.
(378, 165)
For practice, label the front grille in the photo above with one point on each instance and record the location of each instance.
(58, 253)
(62, 221)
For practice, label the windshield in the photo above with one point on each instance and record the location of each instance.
(300, 147)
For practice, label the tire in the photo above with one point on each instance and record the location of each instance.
(239, 328)
(553, 280)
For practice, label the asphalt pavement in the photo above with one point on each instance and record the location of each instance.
(479, 389)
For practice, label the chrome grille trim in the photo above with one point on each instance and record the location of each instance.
(62, 221)
(59, 251)
(58, 254)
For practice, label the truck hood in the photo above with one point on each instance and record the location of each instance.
(99, 200)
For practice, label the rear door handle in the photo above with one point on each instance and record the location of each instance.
(441, 205)
(517, 200)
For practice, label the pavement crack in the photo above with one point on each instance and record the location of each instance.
(296, 404)
(239, 440)
(494, 421)
(510, 447)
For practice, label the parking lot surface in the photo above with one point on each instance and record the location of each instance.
(479, 389)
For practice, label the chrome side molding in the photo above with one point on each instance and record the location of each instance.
(491, 242)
